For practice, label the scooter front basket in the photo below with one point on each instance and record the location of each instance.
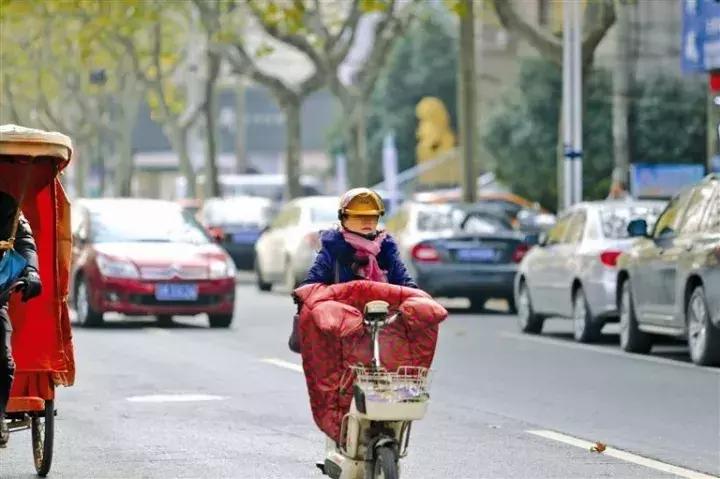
(401, 395)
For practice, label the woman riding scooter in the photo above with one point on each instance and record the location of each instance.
(357, 249)
(359, 304)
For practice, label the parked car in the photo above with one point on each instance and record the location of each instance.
(573, 271)
(669, 281)
(236, 224)
(287, 248)
(459, 250)
(147, 257)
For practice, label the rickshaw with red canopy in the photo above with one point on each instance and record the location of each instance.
(30, 165)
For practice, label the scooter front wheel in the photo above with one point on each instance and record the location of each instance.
(386, 463)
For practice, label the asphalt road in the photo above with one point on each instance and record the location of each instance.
(189, 402)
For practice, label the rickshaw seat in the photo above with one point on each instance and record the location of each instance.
(25, 404)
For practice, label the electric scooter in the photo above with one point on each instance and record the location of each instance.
(375, 433)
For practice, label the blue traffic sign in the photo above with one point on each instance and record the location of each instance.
(700, 35)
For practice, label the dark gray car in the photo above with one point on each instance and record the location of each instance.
(669, 281)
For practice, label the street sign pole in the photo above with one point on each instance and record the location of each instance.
(572, 104)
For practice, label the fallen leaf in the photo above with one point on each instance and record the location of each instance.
(598, 447)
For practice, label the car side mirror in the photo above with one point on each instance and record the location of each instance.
(533, 239)
(542, 239)
(637, 228)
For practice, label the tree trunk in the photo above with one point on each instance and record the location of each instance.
(125, 154)
(81, 170)
(622, 80)
(352, 157)
(241, 164)
(293, 147)
(178, 138)
(467, 104)
(363, 164)
(212, 185)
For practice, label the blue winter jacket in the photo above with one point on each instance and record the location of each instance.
(335, 250)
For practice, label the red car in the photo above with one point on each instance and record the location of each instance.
(147, 257)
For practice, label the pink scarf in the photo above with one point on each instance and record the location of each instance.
(365, 248)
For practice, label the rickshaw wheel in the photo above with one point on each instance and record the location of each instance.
(43, 435)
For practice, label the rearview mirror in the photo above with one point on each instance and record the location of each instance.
(637, 228)
(533, 239)
(542, 239)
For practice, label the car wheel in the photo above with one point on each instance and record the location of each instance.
(477, 304)
(220, 320)
(512, 306)
(262, 285)
(86, 315)
(632, 339)
(703, 336)
(164, 320)
(585, 329)
(528, 320)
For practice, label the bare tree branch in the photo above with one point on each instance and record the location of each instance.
(299, 42)
(340, 46)
(599, 17)
(547, 44)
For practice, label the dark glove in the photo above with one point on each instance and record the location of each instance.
(33, 285)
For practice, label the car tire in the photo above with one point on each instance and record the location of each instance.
(220, 320)
(632, 339)
(164, 320)
(512, 305)
(477, 304)
(529, 321)
(86, 316)
(703, 336)
(262, 285)
(585, 328)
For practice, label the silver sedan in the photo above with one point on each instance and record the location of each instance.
(573, 271)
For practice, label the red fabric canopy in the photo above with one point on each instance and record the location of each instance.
(333, 337)
(42, 340)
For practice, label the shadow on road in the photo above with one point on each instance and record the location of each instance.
(136, 325)
(663, 346)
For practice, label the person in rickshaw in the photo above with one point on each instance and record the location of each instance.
(358, 249)
(23, 244)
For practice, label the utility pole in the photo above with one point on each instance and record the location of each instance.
(467, 103)
(572, 103)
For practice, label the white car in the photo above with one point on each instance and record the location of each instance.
(287, 248)
(573, 272)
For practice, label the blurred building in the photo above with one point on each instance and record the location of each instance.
(156, 164)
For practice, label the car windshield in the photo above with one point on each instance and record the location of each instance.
(615, 219)
(436, 220)
(238, 212)
(478, 222)
(154, 225)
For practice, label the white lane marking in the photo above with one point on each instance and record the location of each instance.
(161, 398)
(605, 350)
(283, 364)
(624, 455)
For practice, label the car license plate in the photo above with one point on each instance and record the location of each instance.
(245, 238)
(176, 292)
(476, 254)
